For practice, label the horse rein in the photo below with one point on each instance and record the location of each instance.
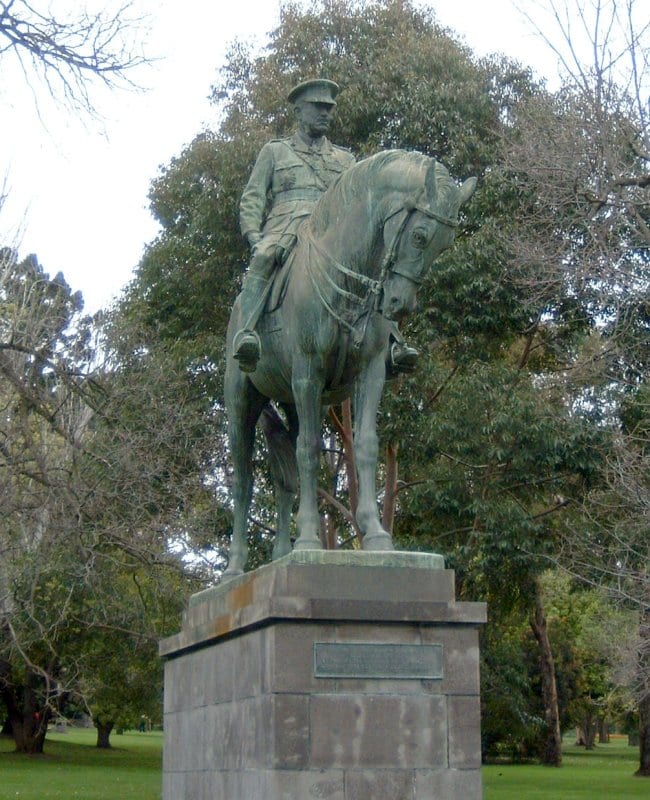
(375, 287)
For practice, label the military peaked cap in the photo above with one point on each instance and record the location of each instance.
(318, 90)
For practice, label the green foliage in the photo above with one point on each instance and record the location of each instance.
(586, 633)
(97, 483)
(121, 674)
(187, 277)
(491, 459)
(511, 720)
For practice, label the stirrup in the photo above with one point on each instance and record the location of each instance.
(247, 349)
(403, 358)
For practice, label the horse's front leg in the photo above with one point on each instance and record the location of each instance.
(307, 387)
(369, 388)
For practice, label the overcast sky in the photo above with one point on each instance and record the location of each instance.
(78, 188)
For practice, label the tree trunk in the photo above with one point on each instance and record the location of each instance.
(390, 489)
(644, 738)
(28, 718)
(348, 455)
(103, 733)
(603, 731)
(29, 736)
(552, 745)
(644, 702)
(345, 430)
(588, 728)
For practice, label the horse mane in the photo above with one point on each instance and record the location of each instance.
(366, 173)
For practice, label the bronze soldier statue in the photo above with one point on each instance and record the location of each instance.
(288, 178)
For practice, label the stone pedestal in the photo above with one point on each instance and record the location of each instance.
(327, 674)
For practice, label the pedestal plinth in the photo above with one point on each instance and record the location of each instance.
(327, 674)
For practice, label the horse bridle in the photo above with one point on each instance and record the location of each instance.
(388, 264)
(375, 287)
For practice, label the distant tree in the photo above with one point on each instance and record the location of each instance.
(584, 627)
(94, 490)
(42, 356)
(121, 672)
(580, 249)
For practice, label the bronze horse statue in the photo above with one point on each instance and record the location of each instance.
(355, 269)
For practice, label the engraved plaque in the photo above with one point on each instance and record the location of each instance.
(397, 661)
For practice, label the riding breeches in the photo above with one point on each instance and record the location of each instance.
(263, 261)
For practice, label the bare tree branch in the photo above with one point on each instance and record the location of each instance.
(70, 53)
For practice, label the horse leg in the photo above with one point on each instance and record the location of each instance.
(284, 472)
(307, 387)
(243, 407)
(368, 394)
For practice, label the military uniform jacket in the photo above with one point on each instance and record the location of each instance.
(288, 178)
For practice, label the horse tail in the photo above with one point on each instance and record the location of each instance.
(282, 450)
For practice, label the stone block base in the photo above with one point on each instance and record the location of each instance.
(347, 676)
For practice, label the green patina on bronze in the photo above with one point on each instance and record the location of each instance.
(351, 270)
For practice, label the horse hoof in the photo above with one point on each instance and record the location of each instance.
(374, 542)
(308, 544)
(279, 553)
(229, 574)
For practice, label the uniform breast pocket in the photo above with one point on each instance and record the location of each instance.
(285, 178)
(334, 170)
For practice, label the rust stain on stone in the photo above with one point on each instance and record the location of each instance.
(241, 596)
(221, 625)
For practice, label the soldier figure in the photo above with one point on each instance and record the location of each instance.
(288, 178)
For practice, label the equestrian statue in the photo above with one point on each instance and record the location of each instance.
(339, 249)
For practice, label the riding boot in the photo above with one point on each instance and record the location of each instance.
(246, 344)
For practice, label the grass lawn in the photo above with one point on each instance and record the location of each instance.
(73, 767)
(606, 772)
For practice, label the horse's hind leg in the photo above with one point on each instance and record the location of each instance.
(243, 407)
(284, 471)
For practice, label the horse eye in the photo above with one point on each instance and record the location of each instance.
(419, 239)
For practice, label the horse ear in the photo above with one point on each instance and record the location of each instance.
(430, 180)
(467, 190)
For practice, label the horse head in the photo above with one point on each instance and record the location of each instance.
(416, 234)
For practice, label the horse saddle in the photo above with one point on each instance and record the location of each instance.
(279, 283)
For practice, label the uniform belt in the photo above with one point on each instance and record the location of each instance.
(298, 194)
